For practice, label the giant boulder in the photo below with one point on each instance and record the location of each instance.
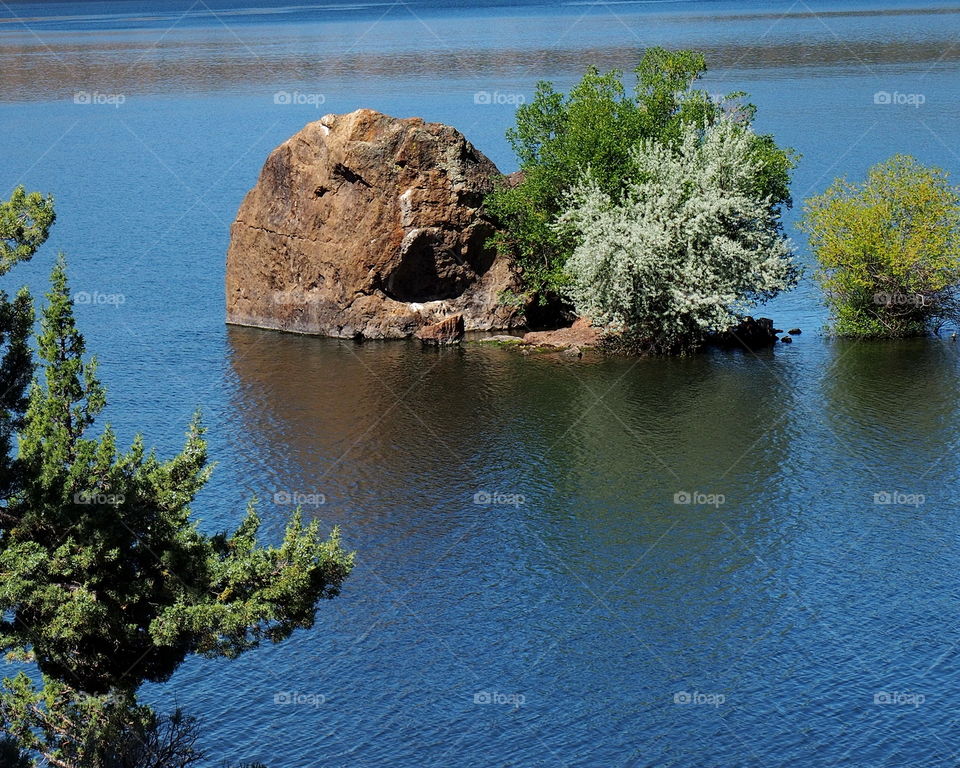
(364, 225)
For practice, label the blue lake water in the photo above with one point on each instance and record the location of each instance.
(582, 617)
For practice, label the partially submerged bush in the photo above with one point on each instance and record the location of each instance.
(689, 246)
(888, 250)
(557, 137)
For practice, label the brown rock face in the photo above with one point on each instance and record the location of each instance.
(580, 334)
(448, 331)
(368, 225)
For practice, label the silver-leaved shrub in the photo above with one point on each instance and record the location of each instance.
(689, 248)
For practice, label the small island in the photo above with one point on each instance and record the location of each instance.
(646, 224)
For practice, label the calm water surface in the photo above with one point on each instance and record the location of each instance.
(581, 617)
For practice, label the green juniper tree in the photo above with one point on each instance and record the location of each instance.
(71, 729)
(25, 221)
(106, 582)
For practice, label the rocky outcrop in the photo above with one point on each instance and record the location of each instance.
(580, 334)
(364, 225)
(447, 331)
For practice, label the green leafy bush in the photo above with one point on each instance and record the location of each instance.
(558, 137)
(888, 250)
(686, 249)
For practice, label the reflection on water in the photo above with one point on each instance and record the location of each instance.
(40, 76)
(42, 64)
(895, 405)
(598, 597)
(379, 413)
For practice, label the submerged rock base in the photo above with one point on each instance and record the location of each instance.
(580, 334)
(751, 334)
(448, 331)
